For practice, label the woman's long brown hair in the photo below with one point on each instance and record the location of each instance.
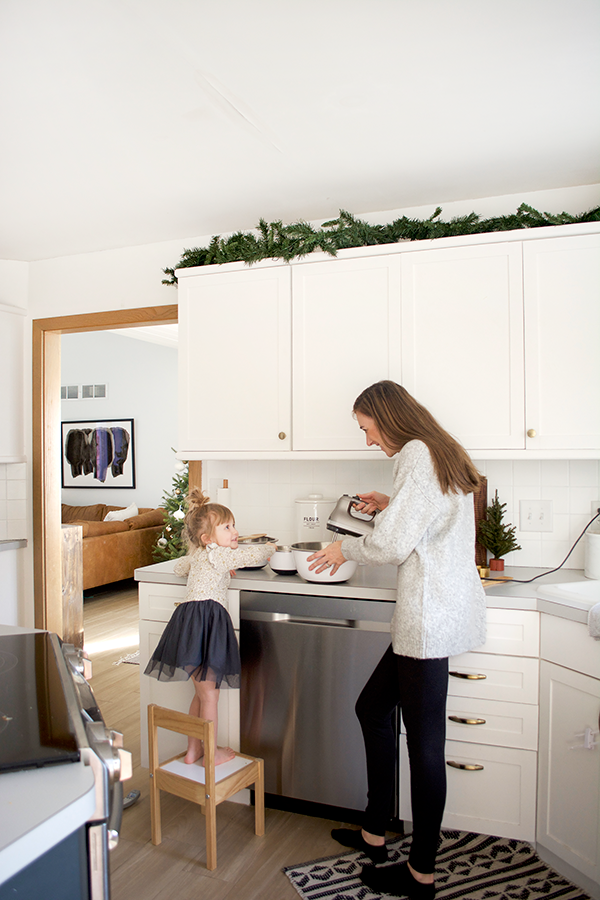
(400, 418)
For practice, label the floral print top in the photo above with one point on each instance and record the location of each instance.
(209, 569)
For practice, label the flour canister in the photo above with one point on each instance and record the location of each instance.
(312, 513)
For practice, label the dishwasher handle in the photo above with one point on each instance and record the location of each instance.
(254, 615)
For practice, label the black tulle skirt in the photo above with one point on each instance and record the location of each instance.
(198, 641)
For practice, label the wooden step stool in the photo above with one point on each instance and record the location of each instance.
(207, 795)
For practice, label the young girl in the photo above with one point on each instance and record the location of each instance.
(199, 641)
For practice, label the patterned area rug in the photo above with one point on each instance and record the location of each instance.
(468, 867)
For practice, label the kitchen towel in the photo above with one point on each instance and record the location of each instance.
(594, 621)
(468, 867)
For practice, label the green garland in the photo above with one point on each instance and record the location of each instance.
(274, 240)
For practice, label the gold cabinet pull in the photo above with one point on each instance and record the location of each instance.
(282, 435)
(466, 721)
(468, 767)
(531, 433)
(472, 676)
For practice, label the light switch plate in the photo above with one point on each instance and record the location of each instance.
(535, 515)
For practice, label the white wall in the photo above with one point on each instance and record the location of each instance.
(142, 385)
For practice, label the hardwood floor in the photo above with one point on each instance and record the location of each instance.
(249, 867)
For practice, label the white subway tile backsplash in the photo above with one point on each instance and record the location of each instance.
(555, 472)
(580, 500)
(583, 472)
(16, 471)
(263, 494)
(526, 471)
(16, 490)
(2, 488)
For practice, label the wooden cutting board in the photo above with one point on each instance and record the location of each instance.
(501, 579)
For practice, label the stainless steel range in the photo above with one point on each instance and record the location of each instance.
(58, 763)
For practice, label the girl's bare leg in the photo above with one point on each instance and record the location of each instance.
(205, 706)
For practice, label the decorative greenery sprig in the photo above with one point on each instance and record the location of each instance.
(274, 240)
(499, 539)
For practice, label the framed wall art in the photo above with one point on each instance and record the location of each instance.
(98, 453)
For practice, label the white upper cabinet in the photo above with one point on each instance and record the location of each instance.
(234, 360)
(462, 340)
(12, 436)
(345, 336)
(562, 341)
(497, 336)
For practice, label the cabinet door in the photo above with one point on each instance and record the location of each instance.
(235, 360)
(12, 439)
(346, 336)
(462, 340)
(569, 771)
(562, 337)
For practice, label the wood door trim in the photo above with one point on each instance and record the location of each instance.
(46, 444)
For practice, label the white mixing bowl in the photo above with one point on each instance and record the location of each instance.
(304, 549)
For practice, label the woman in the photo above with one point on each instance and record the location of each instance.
(427, 529)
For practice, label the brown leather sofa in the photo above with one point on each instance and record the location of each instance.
(113, 550)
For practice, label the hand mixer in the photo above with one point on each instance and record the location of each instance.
(345, 519)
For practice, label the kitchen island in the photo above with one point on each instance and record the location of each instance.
(516, 705)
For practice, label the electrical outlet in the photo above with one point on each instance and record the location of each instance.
(535, 515)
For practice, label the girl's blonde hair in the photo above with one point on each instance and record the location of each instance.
(400, 418)
(202, 517)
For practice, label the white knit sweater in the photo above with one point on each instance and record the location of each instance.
(430, 536)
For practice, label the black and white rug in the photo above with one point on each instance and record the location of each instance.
(468, 867)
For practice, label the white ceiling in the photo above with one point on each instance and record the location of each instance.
(134, 121)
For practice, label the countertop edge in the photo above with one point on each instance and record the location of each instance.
(378, 583)
(13, 544)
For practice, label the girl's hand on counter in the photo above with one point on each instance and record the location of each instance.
(329, 558)
(372, 502)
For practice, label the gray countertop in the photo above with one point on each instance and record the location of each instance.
(12, 544)
(379, 583)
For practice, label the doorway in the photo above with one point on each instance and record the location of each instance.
(46, 450)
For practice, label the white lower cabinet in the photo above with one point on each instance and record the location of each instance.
(569, 766)
(159, 601)
(492, 732)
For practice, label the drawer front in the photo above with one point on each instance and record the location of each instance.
(159, 601)
(497, 797)
(490, 677)
(492, 722)
(513, 632)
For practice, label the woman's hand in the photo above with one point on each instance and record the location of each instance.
(329, 558)
(372, 502)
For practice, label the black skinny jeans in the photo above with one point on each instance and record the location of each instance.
(420, 687)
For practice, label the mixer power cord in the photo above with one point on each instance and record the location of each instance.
(550, 571)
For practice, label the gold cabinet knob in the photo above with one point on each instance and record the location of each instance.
(282, 435)
(532, 432)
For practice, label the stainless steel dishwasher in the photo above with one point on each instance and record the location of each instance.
(305, 660)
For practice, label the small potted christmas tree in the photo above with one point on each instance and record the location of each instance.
(497, 538)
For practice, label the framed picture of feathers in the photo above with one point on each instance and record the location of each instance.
(98, 453)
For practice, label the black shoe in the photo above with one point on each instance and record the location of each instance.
(398, 881)
(349, 837)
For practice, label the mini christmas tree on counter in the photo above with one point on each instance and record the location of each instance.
(170, 544)
(499, 539)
